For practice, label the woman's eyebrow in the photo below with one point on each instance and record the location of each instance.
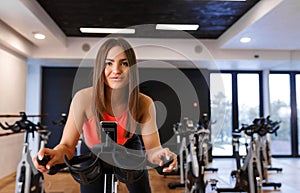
(112, 60)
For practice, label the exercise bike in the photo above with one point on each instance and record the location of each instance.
(266, 126)
(193, 151)
(108, 159)
(204, 144)
(28, 178)
(273, 126)
(249, 176)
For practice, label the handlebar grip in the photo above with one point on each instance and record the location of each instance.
(166, 164)
(56, 168)
(44, 161)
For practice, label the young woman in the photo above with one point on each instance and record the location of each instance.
(114, 96)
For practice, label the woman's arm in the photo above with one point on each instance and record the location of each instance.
(150, 134)
(70, 136)
(71, 133)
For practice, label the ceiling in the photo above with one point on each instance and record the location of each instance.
(273, 26)
(213, 17)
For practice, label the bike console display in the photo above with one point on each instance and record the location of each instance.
(110, 129)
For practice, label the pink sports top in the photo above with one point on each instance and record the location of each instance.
(90, 133)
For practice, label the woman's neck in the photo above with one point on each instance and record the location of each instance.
(116, 100)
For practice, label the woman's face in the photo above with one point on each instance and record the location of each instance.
(116, 69)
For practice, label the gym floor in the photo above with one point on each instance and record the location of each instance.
(64, 183)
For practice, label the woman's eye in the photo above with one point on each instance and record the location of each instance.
(125, 64)
(108, 63)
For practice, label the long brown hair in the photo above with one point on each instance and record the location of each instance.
(99, 86)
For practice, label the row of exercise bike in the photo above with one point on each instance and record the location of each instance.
(251, 173)
(193, 147)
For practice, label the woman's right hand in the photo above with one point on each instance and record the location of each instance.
(56, 156)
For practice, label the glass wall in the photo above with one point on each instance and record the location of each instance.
(248, 98)
(221, 113)
(235, 100)
(280, 110)
(248, 102)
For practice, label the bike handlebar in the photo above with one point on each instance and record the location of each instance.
(128, 164)
(261, 127)
(119, 156)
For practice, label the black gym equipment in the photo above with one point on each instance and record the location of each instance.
(28, 178)
(114, 161)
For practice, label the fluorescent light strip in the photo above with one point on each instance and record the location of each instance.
(177, 27)
(107, 30)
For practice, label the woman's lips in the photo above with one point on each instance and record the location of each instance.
(116, 78)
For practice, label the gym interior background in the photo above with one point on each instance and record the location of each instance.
(259, 78)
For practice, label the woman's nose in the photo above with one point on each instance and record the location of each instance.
(116, 69)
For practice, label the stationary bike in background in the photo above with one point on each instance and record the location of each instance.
(272, 129)
(192, 144)
(266, 126)
(204, 143)
(250, 176)
(28, 178)
(247, 178)
(62, 121)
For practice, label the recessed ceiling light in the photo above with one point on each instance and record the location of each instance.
(177, 27)
(107, 30)
(38, 36)
(245, 40)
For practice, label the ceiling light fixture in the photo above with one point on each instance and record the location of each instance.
(177, 27)
(245, 40)
(107, 30)
(38, 35)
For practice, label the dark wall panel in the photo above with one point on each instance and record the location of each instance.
(174, 92)
(57, 90)
(177, 94)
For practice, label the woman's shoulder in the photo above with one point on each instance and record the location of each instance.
(81, 102)
(83, 96)
(83, 93)
(145, 99)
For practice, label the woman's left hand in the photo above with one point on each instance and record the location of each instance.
(161, 156)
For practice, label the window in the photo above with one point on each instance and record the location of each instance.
(244, 89)
(248, 98)
(280, 109)
(221, 113)
(248, 101)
